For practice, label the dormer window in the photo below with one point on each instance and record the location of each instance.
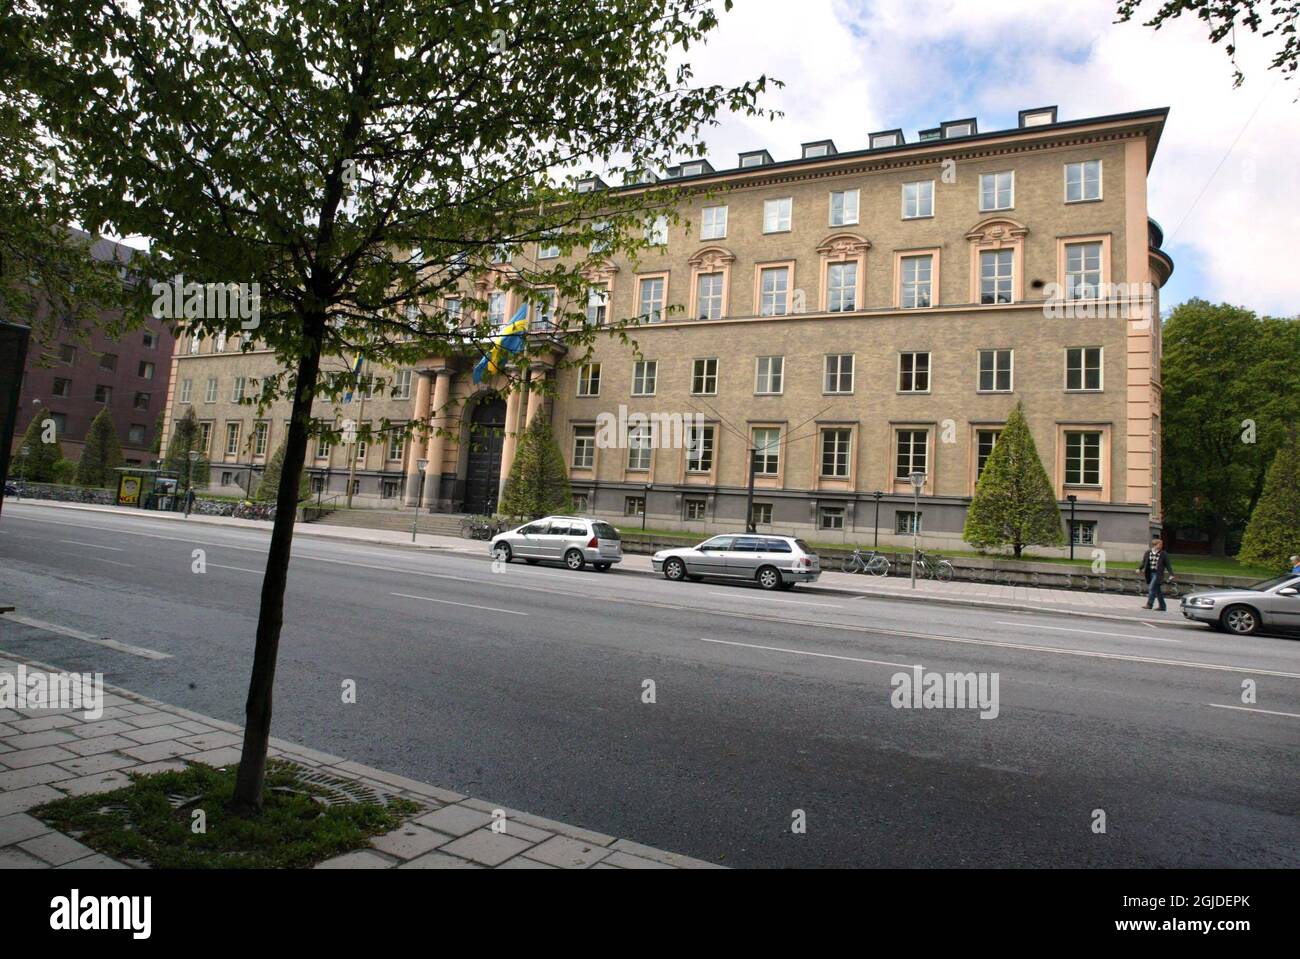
(926, 135)
(755, 158)
(1038, 117)
(886, 138)
(959, 128)
(818, 149)
(696, 168)
(591, 183)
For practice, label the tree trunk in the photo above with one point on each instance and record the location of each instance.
(1218, 537)
(247, 799)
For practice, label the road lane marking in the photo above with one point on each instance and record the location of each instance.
(87, 637)
(1247, 709)
(802, 652)
(773, 599)
(1091, 632)
(77, 542)
(447, 602)
(242, 569)
(113, 562)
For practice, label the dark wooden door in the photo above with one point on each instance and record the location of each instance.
(483, 473)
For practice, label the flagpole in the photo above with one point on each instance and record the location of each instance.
(361, 415)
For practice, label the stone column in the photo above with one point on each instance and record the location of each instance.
(535, 397)
(511, 438)
(437, 442)
(415, 444)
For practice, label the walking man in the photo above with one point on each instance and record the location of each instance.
(189, 499)
(1155, 564)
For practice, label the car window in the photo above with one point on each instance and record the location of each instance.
(776, 546)
(718, 542)
(535, 529)
(604, 531)
(804, 546)
(747, 544)
(1268, 584)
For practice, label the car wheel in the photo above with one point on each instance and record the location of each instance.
(675, 570)
(769, 577)
(574, 560)
(1241, 620)
(502, 552)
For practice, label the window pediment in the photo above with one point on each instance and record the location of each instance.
(844, 246)
(712, 259)
(997, 230)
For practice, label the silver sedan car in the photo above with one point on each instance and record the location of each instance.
(574, 541)
(1271, 605)
(774, 562)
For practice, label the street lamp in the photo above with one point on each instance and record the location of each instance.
(415, 523)
(25, 452)
(645, 503)
(917, 479)
(1073, 499)
(877, 494)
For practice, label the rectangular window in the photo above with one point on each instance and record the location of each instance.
(547, 249)
(838, 373)
(1083, 181)
(917, 281)
(644, 374)
(912, 446)
(63, 387)
(633, 505)
(150, 340)
(1082, 271)
(774, 289)
(984, 442)
(108, 362)
(907, 522)
(600, 241)
(708, 296)
(704, 377)
(205, 436)
(544, 310)
(237, 390)
(259, 438)
(597, 305)
(767, 451)
(142, 401)
(995, 275)
(389, 489)
(232, 439)
(1083, 532)
(1083, 458)
(402, 385)
(454, 313)
(768, 379)
(638, 447)
(584, 447)
(997, 191)
(699, 449)
(67, 353)
(776, 215)
(844, 207)
(144, 370)
(589, 379)
(396, 445)
(227, 478)
(695, 509)
(210, 396)
(363, 447)
(995, 371)
(842, 287)
(835, 453)
(914, 372)
(918, 199)
(496, 310)
(322, 448)
(761, 514)
(713, 223)
(580, 502)
(651, 296)
(135, 434)
(103, 394)
(830, 517)
(1083, 368)
(187, 390)
(656, 230)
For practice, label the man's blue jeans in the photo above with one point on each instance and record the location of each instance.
(1154, 595)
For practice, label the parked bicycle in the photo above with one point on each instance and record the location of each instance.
(873, 562)
(932, 566)
(479, 527)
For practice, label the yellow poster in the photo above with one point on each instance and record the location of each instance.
(128, 490)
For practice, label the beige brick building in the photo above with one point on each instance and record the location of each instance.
(843, 319)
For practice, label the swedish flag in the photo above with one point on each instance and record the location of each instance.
(356, 374)
(508, 342)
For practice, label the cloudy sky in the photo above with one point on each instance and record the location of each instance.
(1225, 184)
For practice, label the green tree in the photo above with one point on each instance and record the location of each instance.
(44, 452)
(1229, 383)
(1273, 535)
(268, 488)
(538, 483)
(186, 438)
(361, 157)
(1014, 503)
(1268, 18)
(101, 454)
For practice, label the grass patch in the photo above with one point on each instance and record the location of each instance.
(151, 820)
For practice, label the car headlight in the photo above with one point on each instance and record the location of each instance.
(1204, 602)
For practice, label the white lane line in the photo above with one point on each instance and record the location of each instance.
(803, 652)
(1091, 632)
(773, 599)
(241, 569)
(447, 602)
(77, 542)
(1247, 709)
(87, 637)
(113, 562)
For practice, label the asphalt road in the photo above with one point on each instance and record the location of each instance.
(526, 686)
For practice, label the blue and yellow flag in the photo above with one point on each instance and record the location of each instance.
(508, 342)
(356, 373)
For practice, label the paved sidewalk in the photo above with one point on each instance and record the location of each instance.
(46, 754)
(1124, 606)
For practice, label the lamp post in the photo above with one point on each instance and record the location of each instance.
(1073, 499)
(917, 479)
(749, 495)
(645, 503)
(415, 523)
(877, 494)
(25, 452)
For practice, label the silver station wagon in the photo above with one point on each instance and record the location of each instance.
(1272, 606)
(574, 541)
(774, 562)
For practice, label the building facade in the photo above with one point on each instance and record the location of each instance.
(840, 321)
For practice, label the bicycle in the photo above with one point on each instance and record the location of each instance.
(479, 527)
(873, 562)
(933, 566)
